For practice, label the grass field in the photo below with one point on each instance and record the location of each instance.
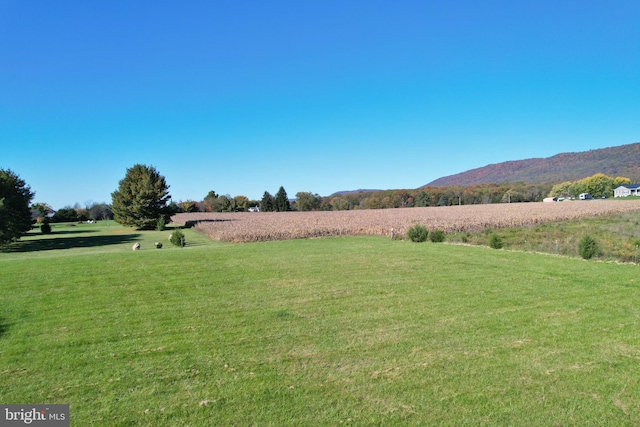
(339, 331)
(618, 237)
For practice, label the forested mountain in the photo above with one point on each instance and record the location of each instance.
(623, 160)
(347, 192)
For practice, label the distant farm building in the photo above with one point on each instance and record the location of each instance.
(627, 190)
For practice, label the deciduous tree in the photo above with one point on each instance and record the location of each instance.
(40, 210)
(620, 180)
(188, 206)
(66, 214)
(100, 211)
(241, 203)
(210, 201)
(307, 201)
(599, 185)
(339, 204)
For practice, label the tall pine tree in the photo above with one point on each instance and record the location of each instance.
(266, 204)
(281, 202)
(15, 214)
(141, 198)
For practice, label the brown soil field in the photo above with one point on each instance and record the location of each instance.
(262, 226)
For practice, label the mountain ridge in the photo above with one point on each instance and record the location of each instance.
(622, 160)
(345, 192)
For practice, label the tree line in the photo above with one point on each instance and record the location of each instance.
(440, 196)
(42, 212)
(385, 199)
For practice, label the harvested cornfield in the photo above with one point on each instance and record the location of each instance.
(253, 227)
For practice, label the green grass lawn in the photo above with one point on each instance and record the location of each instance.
(353, 331)
(101, 237)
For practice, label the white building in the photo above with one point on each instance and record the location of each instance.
(627, 190)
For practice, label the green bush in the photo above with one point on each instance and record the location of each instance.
(437, 236)
(495, 241)
(160, 223)
(177, 238)
(45, 228)
(587, 247)
(417, 233)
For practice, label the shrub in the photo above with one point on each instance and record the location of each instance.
(437, 236)
(466, 237)
(587, 247)
(495, 241)
(177, 238)
(45, 228)
(417, 233)
(160, 223)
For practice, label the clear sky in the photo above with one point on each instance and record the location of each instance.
(242, 97)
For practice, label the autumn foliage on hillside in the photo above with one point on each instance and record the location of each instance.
(623, 160)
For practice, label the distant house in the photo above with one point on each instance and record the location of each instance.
(627, 190)
(254, 209)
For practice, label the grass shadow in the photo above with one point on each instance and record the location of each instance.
(48, 244)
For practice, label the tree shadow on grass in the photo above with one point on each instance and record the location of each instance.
(58, 231)
(70, 231)
(48, 244)
(193, 223)
(4, 326)
(35, 233)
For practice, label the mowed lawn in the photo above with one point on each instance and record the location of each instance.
(340, 331)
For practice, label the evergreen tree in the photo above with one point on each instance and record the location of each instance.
(281, 202)
(15, 213)
(267, 202)
(141, 198)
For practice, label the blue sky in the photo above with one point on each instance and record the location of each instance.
(243, 97)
